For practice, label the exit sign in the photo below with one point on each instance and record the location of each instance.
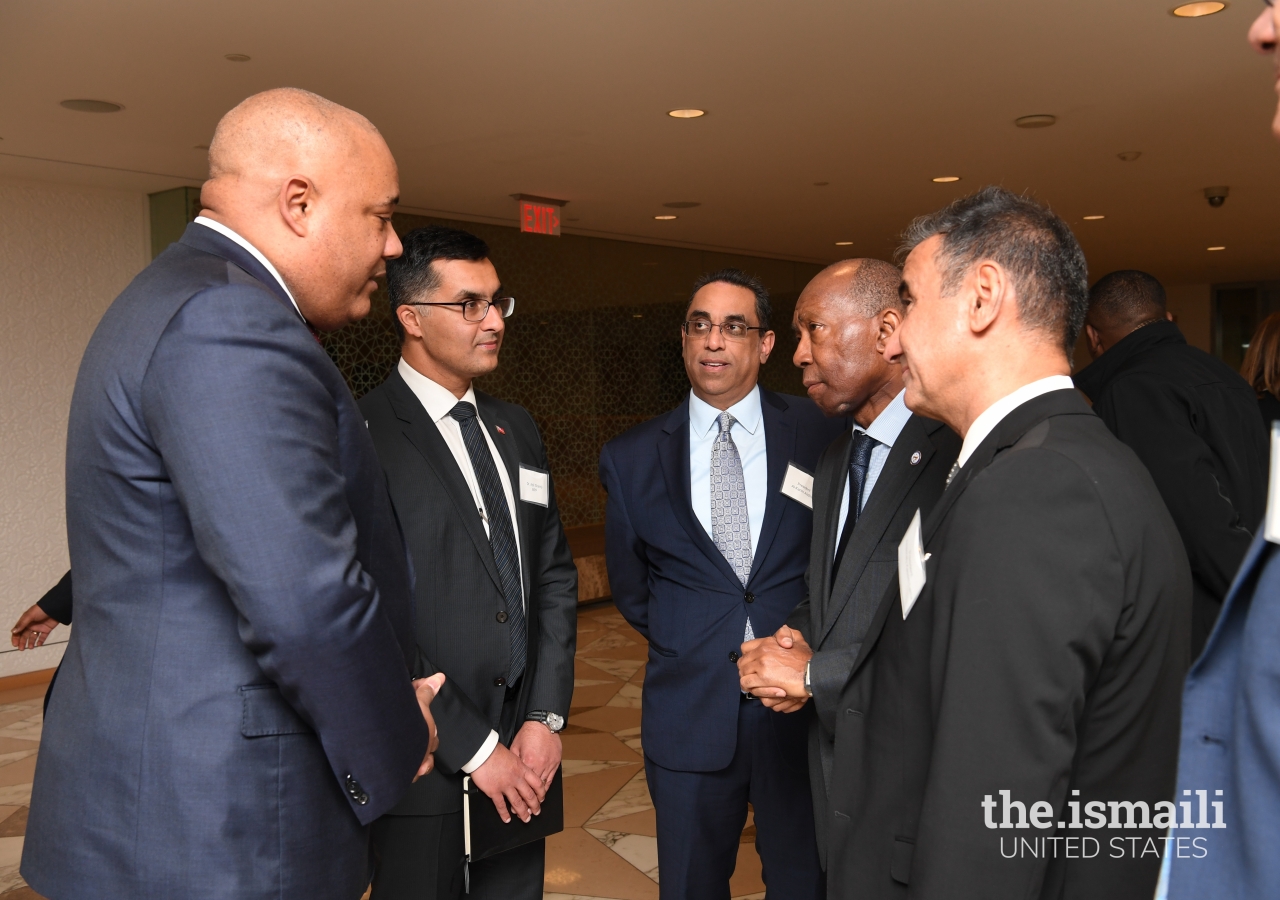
(539, 215)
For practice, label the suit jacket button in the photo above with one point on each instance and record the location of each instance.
(733, 656)
(750, 598)
(501, 617)
(499, 682)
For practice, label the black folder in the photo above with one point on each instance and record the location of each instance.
(485, 834)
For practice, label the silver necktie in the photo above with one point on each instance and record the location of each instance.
(730, 524)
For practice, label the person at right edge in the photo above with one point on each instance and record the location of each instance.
(1230, 752)
(1028, 660)
(1193, 422)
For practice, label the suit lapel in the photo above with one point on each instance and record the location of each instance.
(780, 449)
(504, 440)
(673, 452)
(426, 439)
(895, 482)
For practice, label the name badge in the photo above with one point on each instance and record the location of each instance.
(798, 485)
(535, 485)
(1271, 531)
(911, 559)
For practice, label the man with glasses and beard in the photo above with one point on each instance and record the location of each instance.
(496, 588)
(707, 537)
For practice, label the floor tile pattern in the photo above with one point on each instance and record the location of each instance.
(609, 848)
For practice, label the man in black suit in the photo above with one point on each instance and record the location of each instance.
(1192, 420)
(706, 530)
(868, 485)
(1016, 702)
(496, 587)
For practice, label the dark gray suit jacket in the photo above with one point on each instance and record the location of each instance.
(463, 626)
(234, 705)
(834, 617)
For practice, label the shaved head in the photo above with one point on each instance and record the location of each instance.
(311, 185)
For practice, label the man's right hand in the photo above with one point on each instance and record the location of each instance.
(426, 690)
(505, 779)
(32, 628)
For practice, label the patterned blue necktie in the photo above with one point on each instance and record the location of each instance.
(730, 524)
(859, 464)
(502, 537)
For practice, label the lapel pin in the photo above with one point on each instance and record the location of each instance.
(502, 431)
(915, 458)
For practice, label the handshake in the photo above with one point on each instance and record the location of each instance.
(772, 668)
(518, 776)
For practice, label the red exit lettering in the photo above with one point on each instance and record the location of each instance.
(538, 218)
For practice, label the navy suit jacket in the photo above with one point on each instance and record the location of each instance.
(675, 588)
(234, 705)
(1231, 743)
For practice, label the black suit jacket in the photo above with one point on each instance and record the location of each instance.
(1044, 655)
(461, 614)
(1194, 423)
(834, 617)
(56, 602)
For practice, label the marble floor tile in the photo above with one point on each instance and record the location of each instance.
(608, 615)
(611, 640)
(583, 669)
(594, 746)
(638, 652)
(638, 678)
(579, 865)
(638, 849)
(627, 697)
(596, 694)
(746, 877)
(27, 728)
(633, 797)
(16, 795)
(609, 718)
(636, 823)
(13, 821)
(574, 767)
(619, 668)
(584, 795)
(20, 772)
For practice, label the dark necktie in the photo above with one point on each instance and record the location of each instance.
(502, 537)
(859, 462)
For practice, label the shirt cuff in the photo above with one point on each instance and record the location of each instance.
(483, 754)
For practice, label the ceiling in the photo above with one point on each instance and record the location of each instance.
(481, 99)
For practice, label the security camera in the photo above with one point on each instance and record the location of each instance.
(1216, 195)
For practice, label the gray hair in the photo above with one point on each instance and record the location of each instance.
(1027, 239)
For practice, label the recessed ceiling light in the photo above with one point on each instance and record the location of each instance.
(93, 106)
(637, 315)
(687, 113)
(1128, 155)
(946, 179)
(664, 218)
(1039, 121)
(1093, 218)
(1215, 248)
(682, 204)
(1196, 10)
(844, 243)
(237, 57)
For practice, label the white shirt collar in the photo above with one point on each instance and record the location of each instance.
(886, 427)
(435, 399)
(747, 412)
(266, 263)
(995, 413)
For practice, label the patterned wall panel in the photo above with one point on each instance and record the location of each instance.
(594, 345)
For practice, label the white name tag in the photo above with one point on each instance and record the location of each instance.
(798, 485)
(911, 558)
(535, 486)
(1272, 529)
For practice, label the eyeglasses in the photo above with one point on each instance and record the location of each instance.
(734, 331)
(476, 310)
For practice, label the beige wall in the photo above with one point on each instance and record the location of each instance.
(1191, 305)
(65, 252)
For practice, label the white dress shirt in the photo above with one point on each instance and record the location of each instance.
(885, 428)
(438, 401)
(995, 413)
(257, 254)
(748, 435)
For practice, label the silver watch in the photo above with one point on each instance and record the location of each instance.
(808, 681)
(552, 720)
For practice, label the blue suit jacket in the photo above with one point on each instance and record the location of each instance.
(1231, 743)
(673, 585)
(234, 705)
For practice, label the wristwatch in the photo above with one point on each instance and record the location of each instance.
(808, 681)
(552, 720)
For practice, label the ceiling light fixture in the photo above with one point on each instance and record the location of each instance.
(237, 57)
(1093, 218)
(665, 218)
(844, 243)
(1128, 155)
(91, 106)
(687, 113)
(946, 179)
(1215, 248)
(1197, 10)
(682, 204)
(1038, 121)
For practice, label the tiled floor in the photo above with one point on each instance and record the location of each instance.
(608, 850)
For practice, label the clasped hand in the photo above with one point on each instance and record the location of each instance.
(426, 690)
(520, 776)
(772, 668)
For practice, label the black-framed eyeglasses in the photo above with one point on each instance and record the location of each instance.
(734, 331)
(475, 310)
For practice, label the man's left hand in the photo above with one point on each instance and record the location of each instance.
(539, 748)
(772, 669)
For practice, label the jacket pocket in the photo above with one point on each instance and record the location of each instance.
(662, 651)
(900, 862)
(264, 712)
